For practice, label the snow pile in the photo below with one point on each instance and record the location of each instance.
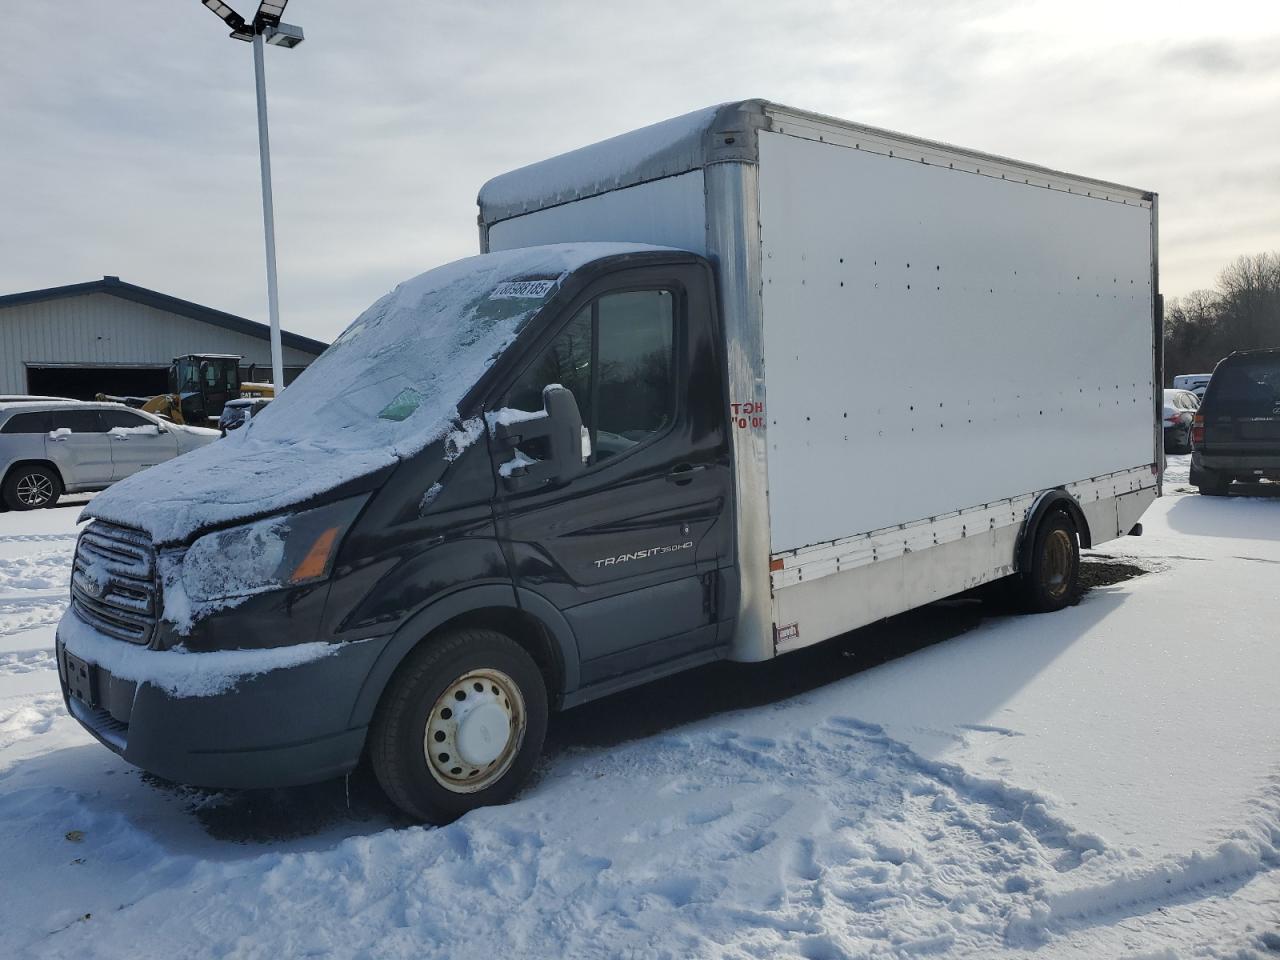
(179, 671)
(383, 391)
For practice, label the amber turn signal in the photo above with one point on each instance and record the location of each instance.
(316, 561)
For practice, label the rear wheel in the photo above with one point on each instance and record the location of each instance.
(31, 487)
(1052, 579)
(460, 725)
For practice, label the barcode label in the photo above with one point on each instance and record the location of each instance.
(522, 290)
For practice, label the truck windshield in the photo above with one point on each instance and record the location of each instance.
(393, 379)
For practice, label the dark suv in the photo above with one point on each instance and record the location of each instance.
(1237, 429)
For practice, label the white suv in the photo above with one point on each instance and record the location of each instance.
(50, 447)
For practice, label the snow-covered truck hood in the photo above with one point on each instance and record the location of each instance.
(383, 391)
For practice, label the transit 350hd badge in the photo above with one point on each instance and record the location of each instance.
(642, 554)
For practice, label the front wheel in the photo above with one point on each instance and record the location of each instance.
(32, 487)
(1052, 580)
(460, 725)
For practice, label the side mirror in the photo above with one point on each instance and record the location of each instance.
(558, 428)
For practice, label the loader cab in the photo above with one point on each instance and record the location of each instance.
(204, 382)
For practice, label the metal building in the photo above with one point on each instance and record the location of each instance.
(113, 337)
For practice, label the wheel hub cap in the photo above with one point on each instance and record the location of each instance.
(34, 490)
(475, 731)
(483, 734)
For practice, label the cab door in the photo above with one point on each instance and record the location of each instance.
(631, 548)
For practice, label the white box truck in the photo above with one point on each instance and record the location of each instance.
(925, 345)
(722, 387)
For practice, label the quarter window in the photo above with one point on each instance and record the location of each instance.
(122, 418)
(617, 358)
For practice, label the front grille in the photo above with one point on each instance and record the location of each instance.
(113, 582)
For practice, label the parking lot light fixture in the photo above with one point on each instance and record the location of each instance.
(284, 35)
(266, 26)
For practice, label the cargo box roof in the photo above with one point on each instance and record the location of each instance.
(729, 131)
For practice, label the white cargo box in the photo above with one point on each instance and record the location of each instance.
(922, 341)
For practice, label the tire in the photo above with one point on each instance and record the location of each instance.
(423, 705)
(31, 487)
(1052, 580)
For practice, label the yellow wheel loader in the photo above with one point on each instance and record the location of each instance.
(200, 384)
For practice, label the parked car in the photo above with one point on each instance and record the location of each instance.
(236, 413)
(1179, 411)
(1236, 433)
(1195, 383)
(51, 447)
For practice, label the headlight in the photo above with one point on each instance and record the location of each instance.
(282, 551)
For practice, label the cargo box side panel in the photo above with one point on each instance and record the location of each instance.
(937, 339)
(670, 212)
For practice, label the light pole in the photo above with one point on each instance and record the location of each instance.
(266, 26)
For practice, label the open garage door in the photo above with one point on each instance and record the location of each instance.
(84, 382)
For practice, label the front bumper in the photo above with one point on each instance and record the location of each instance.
(280, 728)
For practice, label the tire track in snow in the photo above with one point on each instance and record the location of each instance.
(1250, 851)
(28, 661)
(20, 614)
(884, 850)
(39, 571)
(29, 717)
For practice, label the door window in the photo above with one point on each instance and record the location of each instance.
(78, 421)
(634, 397)
(617, 358)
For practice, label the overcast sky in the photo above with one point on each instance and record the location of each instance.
(128, 142)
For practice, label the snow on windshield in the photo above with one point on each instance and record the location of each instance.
(392, 380)
(385, 390)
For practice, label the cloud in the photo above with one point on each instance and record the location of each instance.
(130, 141)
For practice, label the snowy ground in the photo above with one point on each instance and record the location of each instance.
(1099, 783)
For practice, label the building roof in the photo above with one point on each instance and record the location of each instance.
(115, 287)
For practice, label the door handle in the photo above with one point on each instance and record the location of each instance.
(682, 473)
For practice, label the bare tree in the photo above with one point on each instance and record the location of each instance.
(1243, 313)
